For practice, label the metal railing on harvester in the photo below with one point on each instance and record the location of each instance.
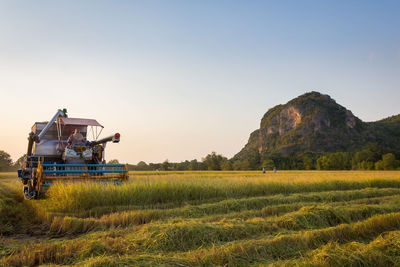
(48, 173)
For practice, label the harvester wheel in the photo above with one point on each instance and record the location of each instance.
(29, 191)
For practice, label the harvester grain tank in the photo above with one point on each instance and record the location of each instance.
(52, 156)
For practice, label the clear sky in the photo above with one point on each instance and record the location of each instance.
(179, 79)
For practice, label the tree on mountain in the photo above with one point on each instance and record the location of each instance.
(113, 161)
(255, 162)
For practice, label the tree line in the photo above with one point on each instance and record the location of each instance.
(372, 157)
(212, 161)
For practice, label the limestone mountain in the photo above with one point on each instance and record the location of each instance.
(314, 122)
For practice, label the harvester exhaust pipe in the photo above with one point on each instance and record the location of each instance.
(114, 138)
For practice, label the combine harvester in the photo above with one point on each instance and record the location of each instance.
(58, 150)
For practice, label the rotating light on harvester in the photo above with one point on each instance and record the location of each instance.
(116, 138)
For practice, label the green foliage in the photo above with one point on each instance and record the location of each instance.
(379, 165)
(365, 165)
(194, 165)
(394, 118)
(142, 166)
(5, 161)
(214, 161)
(165, 165)
(242, 165)
(268, 164)
(335, 161)
(308, 163)
(113, 161)
(322, 163)
(389, 162)
(19, 164)
(168, 166)
(227, 166)
(361, 158)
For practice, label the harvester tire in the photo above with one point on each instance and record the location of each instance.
(27, 190)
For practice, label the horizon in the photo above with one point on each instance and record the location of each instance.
(179, 80)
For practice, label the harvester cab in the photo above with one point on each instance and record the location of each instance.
(59, 150)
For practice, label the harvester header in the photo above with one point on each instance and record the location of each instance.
(60, 150)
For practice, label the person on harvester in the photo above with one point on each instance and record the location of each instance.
(76, 139)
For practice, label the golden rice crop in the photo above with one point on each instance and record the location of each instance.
(175, 191)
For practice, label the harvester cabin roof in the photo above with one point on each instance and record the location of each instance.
(79, 121)
(68, 125)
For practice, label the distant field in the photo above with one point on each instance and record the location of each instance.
(286, 218)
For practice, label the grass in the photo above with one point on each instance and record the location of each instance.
(290, 218)
(16, 215)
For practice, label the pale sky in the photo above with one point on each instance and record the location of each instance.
(180, 79)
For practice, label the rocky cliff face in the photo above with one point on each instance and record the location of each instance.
(314, 122)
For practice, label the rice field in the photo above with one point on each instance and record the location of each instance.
(288, 218)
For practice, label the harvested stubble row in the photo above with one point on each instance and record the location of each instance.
(240, 253)
(143, 240)
(286, 246)
(382, 251)
(263, 206)
(188, 235)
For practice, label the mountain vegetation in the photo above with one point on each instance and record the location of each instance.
(315, 123)
(313, 131)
